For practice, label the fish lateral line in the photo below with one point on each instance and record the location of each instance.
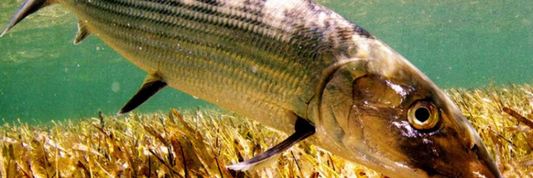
(273, 63)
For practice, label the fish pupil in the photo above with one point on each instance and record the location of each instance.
(422, 114)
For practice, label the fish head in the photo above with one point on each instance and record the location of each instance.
(384, 113)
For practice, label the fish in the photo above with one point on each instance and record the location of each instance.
(295, 66)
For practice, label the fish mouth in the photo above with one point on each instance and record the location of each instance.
(470, 160)
(369, 121)
(485, 166)
(469, 149)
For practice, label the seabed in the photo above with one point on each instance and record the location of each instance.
(201, 143)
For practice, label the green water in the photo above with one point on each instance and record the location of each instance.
(457, 43)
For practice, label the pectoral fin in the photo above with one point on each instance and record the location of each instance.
(303, 129)
(152, 84)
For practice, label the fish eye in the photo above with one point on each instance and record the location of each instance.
(423, 115)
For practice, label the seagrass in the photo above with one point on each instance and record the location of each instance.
(200, 143)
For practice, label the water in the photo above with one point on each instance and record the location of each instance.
(457, 43)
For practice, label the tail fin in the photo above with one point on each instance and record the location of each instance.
(29, 7)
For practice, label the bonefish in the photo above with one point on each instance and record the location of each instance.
(295, 66)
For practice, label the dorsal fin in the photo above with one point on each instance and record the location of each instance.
(29, 7)
(83, 33)
(152, 84)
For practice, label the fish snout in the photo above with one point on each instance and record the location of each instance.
(476, 159)
(483, 166)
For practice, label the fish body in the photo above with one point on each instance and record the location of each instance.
(295, 66)
(227, 53)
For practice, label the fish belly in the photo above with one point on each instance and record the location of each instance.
(261, 59)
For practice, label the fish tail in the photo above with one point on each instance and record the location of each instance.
(29, 7)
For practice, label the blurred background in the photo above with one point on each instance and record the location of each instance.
(457, 43)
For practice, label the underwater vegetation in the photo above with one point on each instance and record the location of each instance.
(201, 143)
